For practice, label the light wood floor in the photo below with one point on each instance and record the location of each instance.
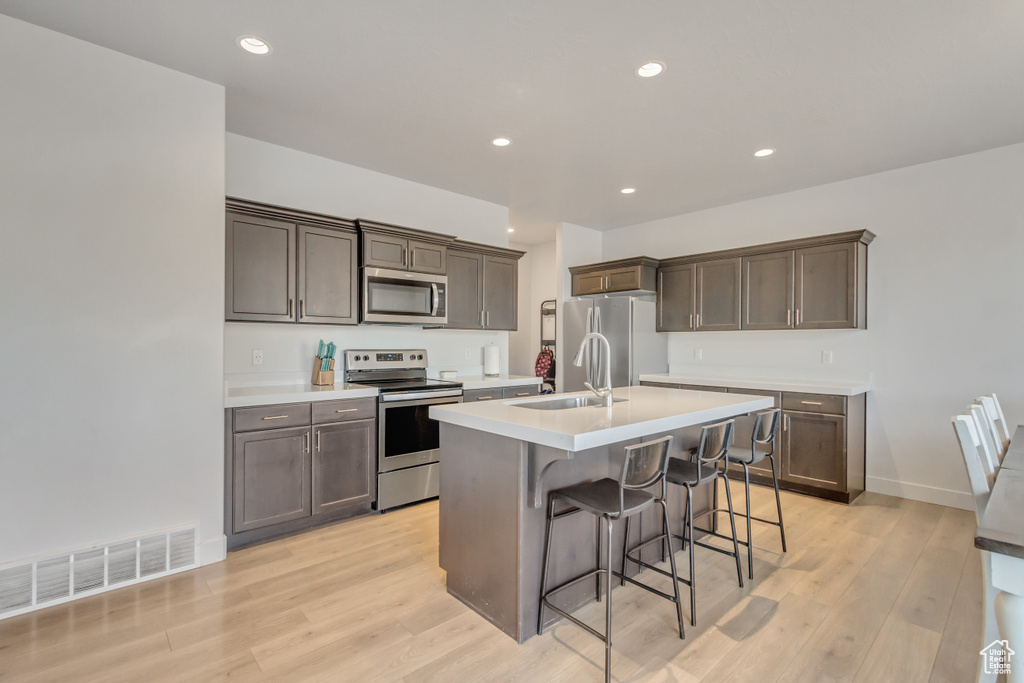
(881, 590)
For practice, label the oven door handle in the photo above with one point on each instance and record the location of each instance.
(435, 297)
(414, 395)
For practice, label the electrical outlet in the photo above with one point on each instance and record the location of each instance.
(698, 354)
(826, 358)
(257, 356)
(469, 354)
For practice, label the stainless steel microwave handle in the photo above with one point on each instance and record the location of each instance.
(436, 298)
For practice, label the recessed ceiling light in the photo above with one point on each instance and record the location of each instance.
(511, 229)
(501, 142)
(254, 45)
(650, 69)
(628, 190)
(764, 152)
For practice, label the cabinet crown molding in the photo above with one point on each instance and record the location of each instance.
(863, 236)
(619, 263)
(488, 249)
(281, 213)
(402, 231)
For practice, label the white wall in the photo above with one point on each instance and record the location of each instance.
(944, 287)
(112, 272)
(269, 173)
(537, 283)
(575, 245)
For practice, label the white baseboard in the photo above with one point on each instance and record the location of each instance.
(925, 494)
(213, 550)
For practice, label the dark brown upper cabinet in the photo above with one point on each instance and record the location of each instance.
(483, 284)
(284, 265)
(718, 295)
(810, 283)
(400, 248)
(609, 277)
(768, 291)
(676, 306)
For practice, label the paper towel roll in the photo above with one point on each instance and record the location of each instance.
(492, 366)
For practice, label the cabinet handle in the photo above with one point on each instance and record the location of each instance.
(798, 316)
(347, 410)
(318, 441)
(289, 308)
(487, 318)
(788, 316)
(483, 398)
(403, 257)
(481, 318)
(698, 320)
(811, 403)
(525, 393)
(785, 424)
(306, 439)
(302, 309)
(275, 417)
(691, 321)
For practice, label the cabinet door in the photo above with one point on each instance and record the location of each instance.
(427, 258)
(260, 269)
(718, 295)
(271, 472)
(675, 299)
(622, 279)
(813, 450)
(328, 288)
(344, 455)
(588, 283)
(500, 293)
(826, 287)
(465, 290)
(384, 251)
(768, 291)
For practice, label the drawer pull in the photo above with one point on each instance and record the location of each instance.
(811, 403)
(347, 410)
(484, 398)
(524, 393)
(275, 417)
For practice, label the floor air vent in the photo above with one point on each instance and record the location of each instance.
(51, 580)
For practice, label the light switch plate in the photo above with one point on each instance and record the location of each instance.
(698, 354)
(826, 357)
(257, 356)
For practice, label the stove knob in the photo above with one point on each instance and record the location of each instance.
(366, 358)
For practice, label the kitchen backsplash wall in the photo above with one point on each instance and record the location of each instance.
(288, 349)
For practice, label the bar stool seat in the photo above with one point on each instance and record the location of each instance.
(682, 472)
(601, 497)
(740, 455)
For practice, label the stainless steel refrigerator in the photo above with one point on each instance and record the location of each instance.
(628, 323)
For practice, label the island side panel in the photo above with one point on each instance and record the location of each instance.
(479, 522)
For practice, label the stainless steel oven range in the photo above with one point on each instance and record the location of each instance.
(408, 441)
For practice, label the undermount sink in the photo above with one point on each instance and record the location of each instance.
(565, 403)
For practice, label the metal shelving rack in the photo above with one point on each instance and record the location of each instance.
(548, 331)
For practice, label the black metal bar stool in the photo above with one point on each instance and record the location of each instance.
(707, 464)
(610, 500)
(762, 445)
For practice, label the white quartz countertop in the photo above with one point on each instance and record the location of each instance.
(646, 411)
(470, 382)
(242, 397)
(834, 387)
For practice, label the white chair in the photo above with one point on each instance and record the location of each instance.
(997, 422)
(967, 434)
(983, 436)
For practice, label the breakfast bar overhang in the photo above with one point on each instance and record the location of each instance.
(499, 460)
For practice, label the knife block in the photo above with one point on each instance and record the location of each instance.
(322, 377)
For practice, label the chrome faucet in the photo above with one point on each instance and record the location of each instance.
(604, 393)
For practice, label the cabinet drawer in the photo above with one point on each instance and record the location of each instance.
(481, 395)
(344, 410)
(814, 403)
(521, 392)
(271, 417)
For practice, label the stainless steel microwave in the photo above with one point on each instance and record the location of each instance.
(398, 296)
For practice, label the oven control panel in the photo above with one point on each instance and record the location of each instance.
(374, 359)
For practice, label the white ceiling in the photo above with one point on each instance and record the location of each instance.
(418, 88)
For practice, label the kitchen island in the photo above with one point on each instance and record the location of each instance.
(499, 460)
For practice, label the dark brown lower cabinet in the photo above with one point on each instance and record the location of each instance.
(271, 478)
(820, 447)
(278, 481)
(342, 474)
